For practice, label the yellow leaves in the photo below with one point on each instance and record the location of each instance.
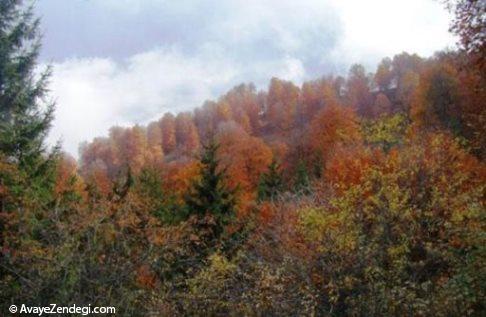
(270, 280)
(332, 231)
(220, 264)
(214, 276)
(398, 251)
(386, 131)
(107, 233)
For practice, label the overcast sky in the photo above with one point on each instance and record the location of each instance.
(122, 62)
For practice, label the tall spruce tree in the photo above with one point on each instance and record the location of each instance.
(302, 180)
(25, 113)
(210, 196)
(271, 182)
(25, 117)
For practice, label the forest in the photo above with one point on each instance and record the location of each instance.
(356, 195)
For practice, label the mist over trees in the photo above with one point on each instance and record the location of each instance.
(360, 195)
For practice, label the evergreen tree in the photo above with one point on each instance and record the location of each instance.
(210, 196)
(271, 182)
(317, 164)
(28, 214)
(23, 122)
(156, 201)
(302, 181)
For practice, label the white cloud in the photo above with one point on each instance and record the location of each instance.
(377, 28)
(94, 94)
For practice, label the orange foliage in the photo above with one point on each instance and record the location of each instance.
(145, 277)
(384, 76)
(358, 90)
(473, 111)
(167, 127)
(443, 158)
(436, 101)
(99, 152)
(133, 148)
(315, 96)
(178, 177)
(186, 132)
(279, 149)
(244, 156)
(246, 108)
(154, 156)
(125, 147)
(97, 175)
(222, 113)
(266, 212)
(282, 100)
(348, 165)
(67, 177)
(382, 105)
(333, 125)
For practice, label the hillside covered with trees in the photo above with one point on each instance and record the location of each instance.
(360, 195)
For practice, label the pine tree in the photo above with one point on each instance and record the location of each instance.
(210, 196)
(23, 122)
(271, 182)
(25, 117)
(25, 114)
(302, 181)
(156, 201)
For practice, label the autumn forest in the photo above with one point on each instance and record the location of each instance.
(356, 195)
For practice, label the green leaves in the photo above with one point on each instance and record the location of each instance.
(271, 183)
